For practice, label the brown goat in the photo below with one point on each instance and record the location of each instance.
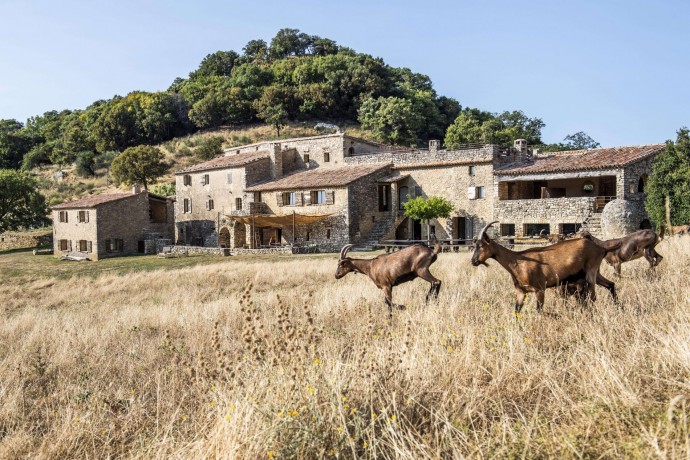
(630, 247)
(388, 270)
(551, 237)
(674, 230)
(536, 269)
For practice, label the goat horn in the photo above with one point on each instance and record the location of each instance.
(344, 250)
(481, 234)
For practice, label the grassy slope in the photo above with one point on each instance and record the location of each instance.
(127, 362)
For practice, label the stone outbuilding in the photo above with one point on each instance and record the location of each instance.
(562, 192)
(111, 225)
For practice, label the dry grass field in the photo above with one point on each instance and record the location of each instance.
(273, 358)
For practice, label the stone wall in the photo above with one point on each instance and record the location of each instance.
(20, 240)
(622, 217)
(484, 154)
(552, 211)
(73, 230)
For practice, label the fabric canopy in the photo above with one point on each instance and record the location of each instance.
(275, 220)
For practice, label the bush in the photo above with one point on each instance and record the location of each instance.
(210, 147)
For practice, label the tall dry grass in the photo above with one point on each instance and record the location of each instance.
(251, 359)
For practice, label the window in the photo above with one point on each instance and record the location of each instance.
(318, 197)
(471, 170)
(229, 178)
(83, 216)
(114, 245)
(84, 246)
(306, 238)
(257, 197)
(507, 229)
(187, 206)
(62, 216)
(204, 179)
(328, 233)
(642, 183)
(326, 157)
(209, 205)
(187, 179)
(480, 192)
(403, 196)
(238, 204)
(289, 198)
(64, 245)
(306, 158)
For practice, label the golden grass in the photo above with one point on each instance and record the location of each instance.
(191, 363)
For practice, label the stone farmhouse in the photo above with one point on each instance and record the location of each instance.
(112, 225)
(327, 191)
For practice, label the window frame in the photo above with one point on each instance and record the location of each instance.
(316, 196)
(187, 180)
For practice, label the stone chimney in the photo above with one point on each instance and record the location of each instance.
(520, 145)
(434, 145)
(276, 160)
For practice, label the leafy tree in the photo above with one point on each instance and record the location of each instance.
(86, 163)
(425, 209)
(164, 189)
(475, 126)
(274, 106)
(142, 164)
(21, 205)
(289, 42)
(210, 147)
(219, 63)
(671, 177)
(392, 120)
(14, 144)
(255, 50)
(580, 141)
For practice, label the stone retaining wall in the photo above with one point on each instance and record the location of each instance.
(552, 211)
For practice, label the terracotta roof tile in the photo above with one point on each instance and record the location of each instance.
(580, 160)
(93, 201)
(226, 161)
(320, 177)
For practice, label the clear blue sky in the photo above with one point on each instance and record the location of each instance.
(616, 69)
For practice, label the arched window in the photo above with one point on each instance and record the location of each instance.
(403, 196)
(642, 183)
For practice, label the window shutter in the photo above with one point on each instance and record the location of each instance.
(471, 193)
(299, 198)
(307, 198)
(120, 245)
(87, 218)
(330, 197)
(279, 199)
(89, 246)
(208, 205)
(69, 246)
(229, 178)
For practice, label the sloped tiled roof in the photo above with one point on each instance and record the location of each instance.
(93, 201)
(580, 160)
(226, 161)
(320, 177)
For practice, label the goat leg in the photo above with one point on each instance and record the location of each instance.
(519, 299)
(540, 299)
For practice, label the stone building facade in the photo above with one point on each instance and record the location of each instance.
(112, 225)
(340, 189)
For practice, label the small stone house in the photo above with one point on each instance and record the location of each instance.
(561, 192)
(111, 225)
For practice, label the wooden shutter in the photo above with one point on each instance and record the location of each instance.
(279, 199)
(330, 197)
(120, 245)
(69, 246)
(299, 198)
(471, 193)
(503, 193)
(307, 198)
(89, 246)
(87, 218)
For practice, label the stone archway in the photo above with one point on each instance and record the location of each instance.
(239, 235)
(224, 238)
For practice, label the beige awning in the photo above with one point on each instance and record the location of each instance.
(279, 220)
